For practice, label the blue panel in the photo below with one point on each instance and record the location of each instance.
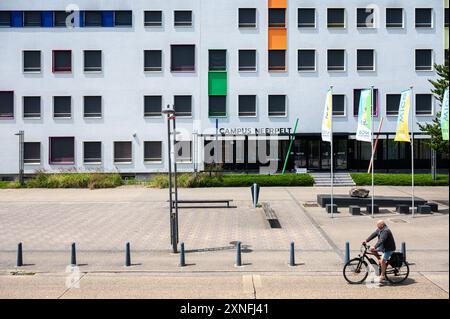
(81, 19)
(108, 18)
(47, 19)
(17, 19)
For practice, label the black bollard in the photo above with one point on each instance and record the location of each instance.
(404, 251)
(127, 255)
(73, 257)
(182, 256)
(347, 252)
(19, 255)
(238, 254)
(292, 259)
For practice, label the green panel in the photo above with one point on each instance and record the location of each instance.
(217, 83)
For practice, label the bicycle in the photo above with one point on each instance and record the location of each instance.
(357, 269)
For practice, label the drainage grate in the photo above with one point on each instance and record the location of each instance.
(310, 205)
(274, 223)
(271, 217)
(398, 221)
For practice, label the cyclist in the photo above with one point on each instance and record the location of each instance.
(385, 245)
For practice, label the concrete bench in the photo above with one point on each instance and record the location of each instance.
(204, 201)
(354, 210)
(335, 209)
(376, 209)
(434, 207)
(403, 209)
(424, 209)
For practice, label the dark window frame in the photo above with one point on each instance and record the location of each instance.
(32, 24)
(307, 25)
(217, 113)
(7, 23)
(186, 21)
(64, 160)
(156, 67)
(56, 22)
(180, 146)
(152, 23)
(277, 67)
(337, 25)
(92, 160)
(121, 24)
(339, 113)
(276, 113)
(213, 64)
(153, 159)
(424, 68)
(97, 114)
(336, 68)
(123, 160)
(253, 113)
(247, 25)
(62, 115)
(8, 115)
(88, 15)
(389, 110)
(277, 18)
(148, 113)
(426, 25)
(34, 159)
(177, 100)
(365, 68)
(247, 68)
(63, 69)
(33, 69)
(307, 68)
(93, 69)
(365, 25)
(188, 68)
(394, 25)
(417, 104)
(375, 111)
(31, 115)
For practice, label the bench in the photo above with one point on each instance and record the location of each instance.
(270, 215)
(204, 201)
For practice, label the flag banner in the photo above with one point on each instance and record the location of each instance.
(364, 132)
(444, 116)
(327, 117)
(403, 117)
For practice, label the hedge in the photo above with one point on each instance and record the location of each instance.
(364, 179)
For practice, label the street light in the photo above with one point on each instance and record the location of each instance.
(170, 112)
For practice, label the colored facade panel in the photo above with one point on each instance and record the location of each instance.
(81, 18)
(277, 4)
(108, 19)
(217, 83)
(47, 19)
(277, 39)
(446, 33)
(17, 19)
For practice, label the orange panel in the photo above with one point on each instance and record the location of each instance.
(277, 39)
(277, 4)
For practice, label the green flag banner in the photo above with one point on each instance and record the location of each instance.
(444, 116)
(364, 132)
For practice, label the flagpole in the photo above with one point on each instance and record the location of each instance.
(332, 155)
(413, 112)
(373, 151)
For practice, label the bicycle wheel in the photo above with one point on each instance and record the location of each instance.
(397, 275)
(356, 271)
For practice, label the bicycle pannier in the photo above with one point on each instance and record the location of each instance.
(396, 260)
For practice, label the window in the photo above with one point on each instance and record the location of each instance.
(183, 58)
(247, 60)
(424, 104)
(62, 150)
(31, 61)
(32, 153)
(183, 151)
(92, 18)
(339, 105)
(424, 60)
(62, 106)
(336, 60)
(60, 18)
(31, 107)
(153, 18)
(5, 19)
(445, 18)
(152, 60)
(424, 18)
(62, 61)
(6, 104)
(93, 106)
(92, 152)
(247, 105)
(336, 18)
(152, 105)
(93, 61)
(392, 104)
(123, 18)
(366, 60)
(366, 18)
(247, 18)
(356, 100)
(277, 18)
(32, 19)
(217, 106)
(306, 18)
(183, 105)
(152, 152)
(123, 152)
(277, 60)
(183, 18)
(306, 60)
(277, 105)
(217, 60)
(394, 18)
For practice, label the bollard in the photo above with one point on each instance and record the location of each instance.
(292, 259)
(347, 252)
(182, 256)
(19, 255)
(127, 255)
(73, 257)
(255, 194)
(404, 251)
(238, 254)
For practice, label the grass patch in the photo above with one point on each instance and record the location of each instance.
(75, 180)
(5, 184)
(363, 179)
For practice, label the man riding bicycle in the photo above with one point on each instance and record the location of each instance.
(385, 245)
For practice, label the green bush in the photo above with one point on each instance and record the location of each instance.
(5, 184)
(363, 179)
(74, 180)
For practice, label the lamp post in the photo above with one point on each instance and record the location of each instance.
(21, 135)
(170, 112)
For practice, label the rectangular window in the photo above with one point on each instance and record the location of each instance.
(217, 60)
(306, 60)
(366, 18)
(356, 100)
(392, 104)
(6, 104)
(277, 18)
(62, 150)
(217, 106)
(247, 18)
(183, 18)
(338, 105)
(92, 152)
(247, 60)
(183, 105)
(394, 18)
(446, 23)
(153, 18)
(152, 105)
(92, 18)
(277, 105)
(60, 18)
(424, 104)
(152, 152)
(424, 60)
(336, 18)
(306, 18)
(152, 60)
(277, 60)
(32, 153)
(183, 58)
(5, 19)
(62, 61)
(123, 18)
(31, 107)
(183, 151)
(62, 106)
(424, 18)
(31, 61)
(366, 60)
(123, 152)
(93, 61)
(93, 106)
(247, 105)
(32, 19)
(336, 60)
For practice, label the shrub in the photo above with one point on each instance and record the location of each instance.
(74, 180)
(363, 179)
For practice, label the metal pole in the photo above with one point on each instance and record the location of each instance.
(175, 184)
(374, 151)
(413, 112)
(332, 157)
(169, 148)
(21, 135)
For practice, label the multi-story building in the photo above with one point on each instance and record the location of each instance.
(87, 82)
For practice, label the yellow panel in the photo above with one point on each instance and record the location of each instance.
(277, 4)
(277, 39)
